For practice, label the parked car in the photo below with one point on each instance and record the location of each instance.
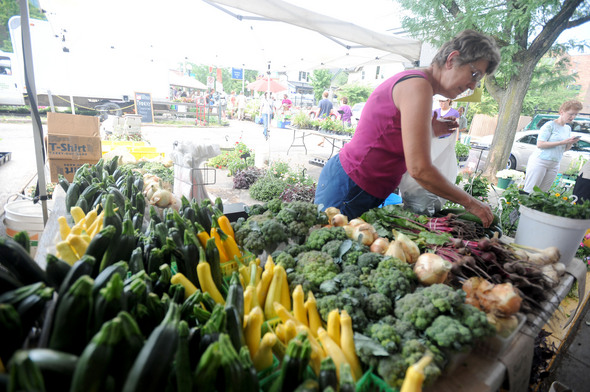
(580, 124)
(357, 109)
(525, 143)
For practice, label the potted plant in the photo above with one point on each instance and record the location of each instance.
(507, 176)
(461, 151)
(551, 219)
(301, 120)
(574, 168)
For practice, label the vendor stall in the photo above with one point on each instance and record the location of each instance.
(351, 298)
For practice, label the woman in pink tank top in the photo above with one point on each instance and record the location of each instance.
(394, 132)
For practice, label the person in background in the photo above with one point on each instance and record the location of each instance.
(286, 103)
(325, 108)
(393, 135)
(241, 102)
(345, 111)
(231, 104)
(462, 129)
(446, 109)
(554, 139)
(266, 111)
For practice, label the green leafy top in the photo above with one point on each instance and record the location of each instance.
(556, 204)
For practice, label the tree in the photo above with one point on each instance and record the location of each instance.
(9, 8)
(321, 79)
(525, 30)
(550, 85)
(355, 93)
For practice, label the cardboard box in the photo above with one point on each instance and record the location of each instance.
(73, 147)
(73, 124)
(66, 167)
(73, 137)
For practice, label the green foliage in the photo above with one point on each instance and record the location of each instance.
(461, 150)
(556, 204)
(509, 203)
(267, 188)
(232, 160)
(301, 120)
(477, 186)
(321, 79)
(202, 71)
(9, 8)
(355, 93)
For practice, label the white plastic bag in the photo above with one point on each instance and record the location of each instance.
(418, 199)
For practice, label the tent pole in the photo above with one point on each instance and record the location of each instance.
(32, 92)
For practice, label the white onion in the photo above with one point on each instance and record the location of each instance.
(431, 269)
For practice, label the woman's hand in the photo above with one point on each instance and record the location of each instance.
(443, 126)
(481, 210)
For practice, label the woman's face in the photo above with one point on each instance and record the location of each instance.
(444, 104)
(457, 78)
(568, 116)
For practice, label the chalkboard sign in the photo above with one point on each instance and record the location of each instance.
(143, 107)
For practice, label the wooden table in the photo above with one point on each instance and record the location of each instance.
(299, 134)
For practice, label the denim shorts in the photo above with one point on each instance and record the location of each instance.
(336, 189)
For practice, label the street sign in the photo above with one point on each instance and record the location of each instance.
(237, 73)
(210, 82)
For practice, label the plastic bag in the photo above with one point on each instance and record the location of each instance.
(418, 199)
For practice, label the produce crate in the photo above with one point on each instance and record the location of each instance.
(370, 382)
(229, 267)
(495, 345)
(4, 157)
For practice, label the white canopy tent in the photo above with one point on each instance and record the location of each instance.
(228, 33)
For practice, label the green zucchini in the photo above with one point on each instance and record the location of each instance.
(11, 331)
(8, 281)
(72, 195)
(99, 244)
(151, 368)
(22, 237)
(182, 369)
(56, 270)
(57, 368)
(82, 267)
(120, 268)
(69, 331)
(19, 262)
(63, 182)
(93, 367)
(328, 377)
(25, 375)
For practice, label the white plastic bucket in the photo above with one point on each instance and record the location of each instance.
(24, 215)
(541, 230)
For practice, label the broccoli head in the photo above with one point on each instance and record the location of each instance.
(344, 301)
(390, 282)
(318, 238)
(285, 259)
(474, 319)
(275, 205)
(295, 278)
(356, 250)
(347, 279)
(405, 268)
(416, 309)
(386, 335)
(351, 268)
(332, 248)
(413, 350)
(369, 261)
(393, 370)
(256, 209)
(448, 332)
(316, 267)
(299, 217)
(444, 297)
(259, 232)
(295, 249)
(378, 306)
(405, 329)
